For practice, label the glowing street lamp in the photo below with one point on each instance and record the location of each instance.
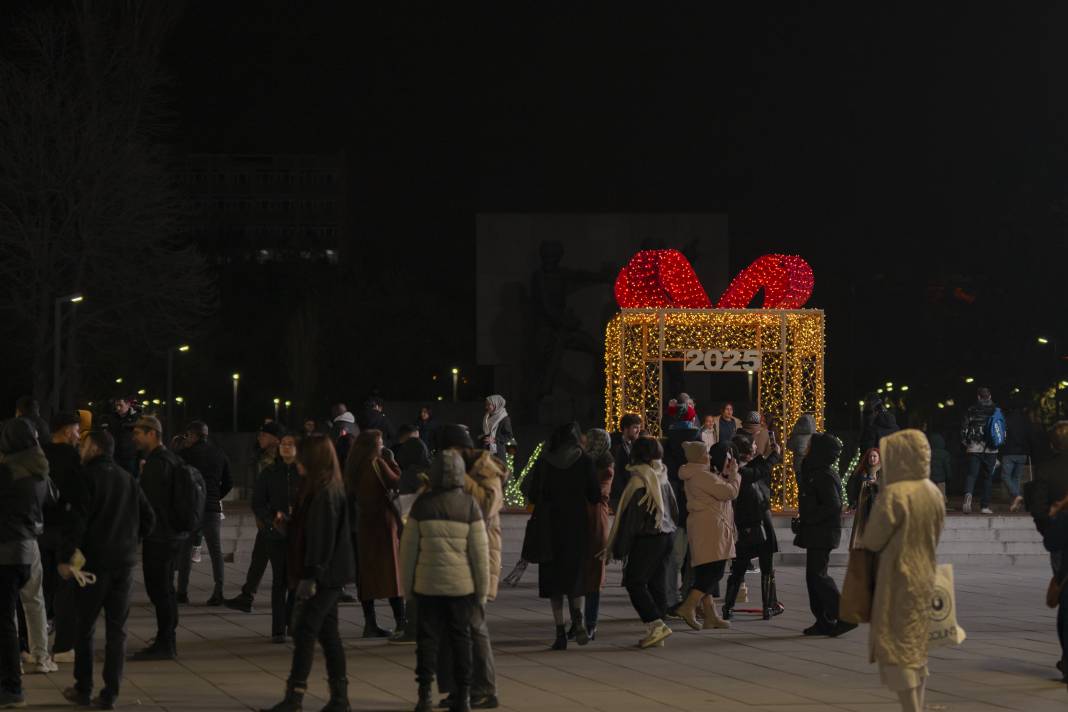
(277, 402)
(455, 384)
(237, 379)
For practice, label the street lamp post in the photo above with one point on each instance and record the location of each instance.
(237, 379)
(288, 416)
(455, 384)
(277, 402)
(75, 298)
(184, 348)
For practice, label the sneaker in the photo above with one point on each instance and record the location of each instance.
(46, 666)
(196, 554)
(486, 702)
(658, 632)
(154, 652)
(402, 637)
(841, 628)
(1017, 504)
(104, 702)
(10, 700)
(986, 510)
(77, 697)
(371, 630)
(967, 506)
(66, 657)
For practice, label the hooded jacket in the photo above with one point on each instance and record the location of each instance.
(444, 550)
(904, 528)
(798, 441)
(820, 495)
(709, 498)
(24, 490)
(485, 482)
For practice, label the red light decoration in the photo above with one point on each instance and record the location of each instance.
(787, 282)
(660, 279)
(664, 279)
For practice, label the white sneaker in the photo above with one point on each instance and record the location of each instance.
(967, 506)
(67, 657)
(45, 666)
(196, 554)
(657, 633)
(986, 510)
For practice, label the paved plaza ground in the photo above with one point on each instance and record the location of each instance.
(228, 663)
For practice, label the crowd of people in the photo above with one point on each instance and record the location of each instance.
(411, 516)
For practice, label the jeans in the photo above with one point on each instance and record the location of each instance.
(316, 618)
(257, 566)
(111, 592)
(483, 669)
(1011, 465)
(158, 565)
(980, 461)
(33, 604)
(12, 579)
(445, 620)
(281, 596)
(823, 593)
(212, 529)
(678, 567)
(645, 576)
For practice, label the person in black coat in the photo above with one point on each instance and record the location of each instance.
(64, 467)
(109, 517)
(213, 464)
(630, 426)
(24, 488)
(324, 547)
(373, 417)
(820, 530)
(120, 424)
(413, 458)
(273, 501)
(563, 483)
(1051, 486)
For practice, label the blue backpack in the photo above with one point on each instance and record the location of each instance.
(994, 430)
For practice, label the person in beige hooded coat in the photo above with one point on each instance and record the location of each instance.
(903, 528)
(710, 489)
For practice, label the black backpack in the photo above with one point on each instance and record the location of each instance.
(189, 495)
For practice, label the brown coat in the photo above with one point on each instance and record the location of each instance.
(599, 527)
(485, 481)
(378, 533)
(710, 524)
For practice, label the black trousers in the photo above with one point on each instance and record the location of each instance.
(281, 596)
(260, 557)
(111, 592)
(159, 562)
(444, 620)
(645, 576)
(822, 591)
(706, 575)
(12, 579)
(66, 616)
(316, 619)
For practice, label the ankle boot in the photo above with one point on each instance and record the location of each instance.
(371, 629)
(765, 596)
(561, 639)
(293, 701)
(687, 611)
(773, 596)
(582, 636)
(731, 596)
(426, 698)
(339, 696)
(712, 620)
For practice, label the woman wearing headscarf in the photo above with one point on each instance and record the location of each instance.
(496, 426)
(712, 481)
(371, 476)
(904, 528)
(598, 447)
(563, 484)
(641, 536)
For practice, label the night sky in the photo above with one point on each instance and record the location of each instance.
(906, 152)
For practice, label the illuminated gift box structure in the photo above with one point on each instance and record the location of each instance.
(781, 343)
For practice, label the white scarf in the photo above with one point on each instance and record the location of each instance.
(653, 478)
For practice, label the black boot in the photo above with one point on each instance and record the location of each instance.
(339, 696)
(582, 636)
(293, 701)
(462, 703)
(370, 626)
(426, 698)
(561, 639)
(765, 595)
(733, 587)
(773, 595)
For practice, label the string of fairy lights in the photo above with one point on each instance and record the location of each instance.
(513, 493)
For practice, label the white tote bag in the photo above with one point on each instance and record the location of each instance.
(942, 628)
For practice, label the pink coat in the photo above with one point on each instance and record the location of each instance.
(709, 501)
